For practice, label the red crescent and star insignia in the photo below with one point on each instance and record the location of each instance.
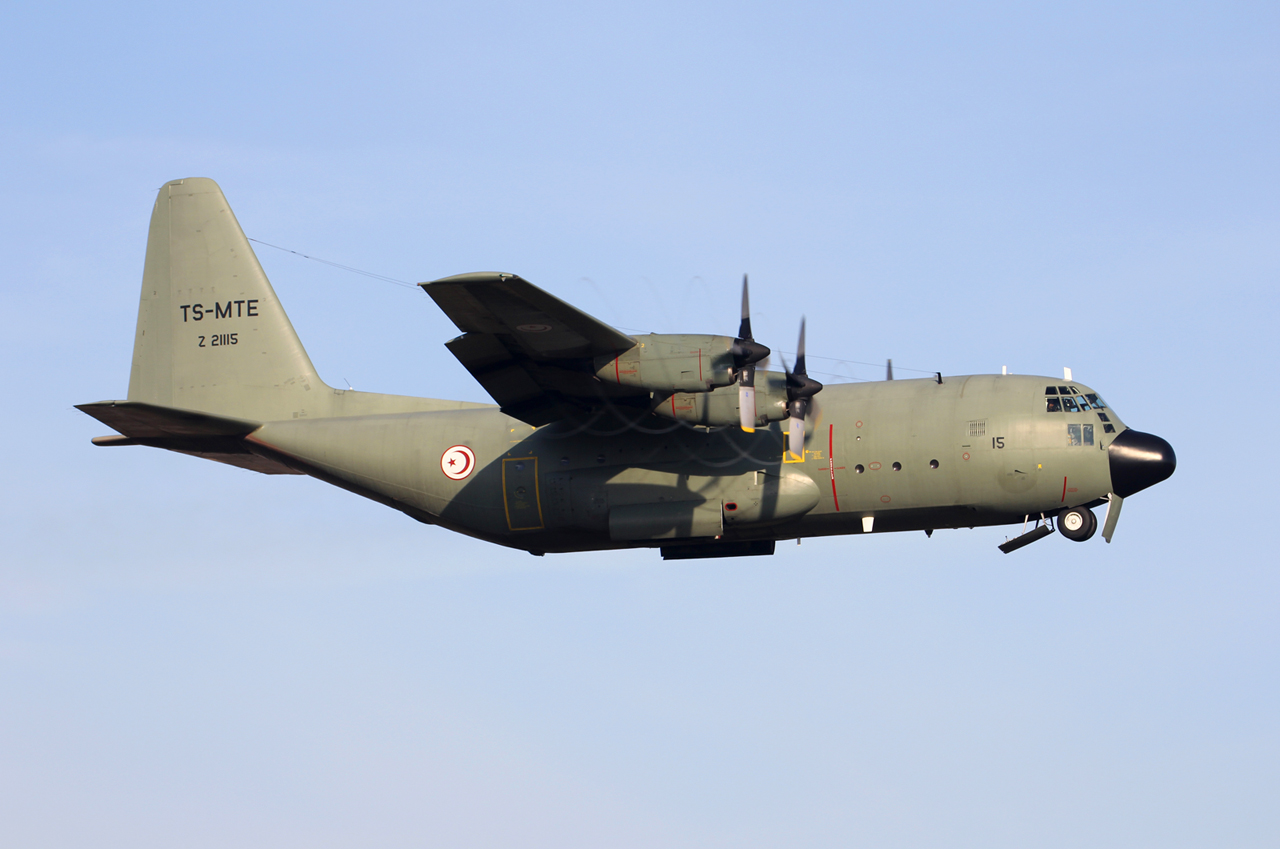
(457, 462)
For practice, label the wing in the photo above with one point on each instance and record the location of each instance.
(530, 350)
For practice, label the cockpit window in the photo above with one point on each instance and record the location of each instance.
(1069, 399)
(1078, 435)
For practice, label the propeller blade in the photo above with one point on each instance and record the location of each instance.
(800, 370)
(747, 404)
(746, 350)
(746, 353)
(800, 388)
(795, 436)
(888, 370)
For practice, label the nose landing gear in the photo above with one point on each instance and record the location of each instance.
(1077, 523)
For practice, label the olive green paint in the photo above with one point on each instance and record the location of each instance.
(218, 372)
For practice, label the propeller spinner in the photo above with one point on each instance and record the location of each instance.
(746, 353)
(800, 389)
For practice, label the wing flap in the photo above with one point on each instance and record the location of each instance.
(508, 379)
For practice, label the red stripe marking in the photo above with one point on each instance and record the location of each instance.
(673, 405)
(831, 463)
(1064, 489)
(615, 370)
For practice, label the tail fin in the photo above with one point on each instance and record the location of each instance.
(211, 334)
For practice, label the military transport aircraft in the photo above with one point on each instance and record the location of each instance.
(600, 439)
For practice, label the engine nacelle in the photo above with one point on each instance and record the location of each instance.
(719, 408)
(668, 362)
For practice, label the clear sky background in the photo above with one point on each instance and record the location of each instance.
(194, 655)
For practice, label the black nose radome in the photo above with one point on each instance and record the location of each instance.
(1139, 460)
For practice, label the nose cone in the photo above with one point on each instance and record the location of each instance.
(1139, 460)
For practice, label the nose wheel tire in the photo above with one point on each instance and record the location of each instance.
(1077, 523)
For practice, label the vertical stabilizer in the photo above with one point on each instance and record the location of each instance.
(211, 333)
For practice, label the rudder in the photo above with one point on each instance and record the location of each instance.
(212, 335)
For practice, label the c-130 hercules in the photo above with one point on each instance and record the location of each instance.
(602, 440)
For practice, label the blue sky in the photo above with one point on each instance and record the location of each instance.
(193, 654)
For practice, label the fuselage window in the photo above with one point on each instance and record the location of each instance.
(1069, 404)
(1096, 401)
(1073, 434)
(1051, 390)
(1088, 434)
(1052, 405)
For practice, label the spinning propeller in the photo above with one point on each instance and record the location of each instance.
(746, 353)
(800, 389)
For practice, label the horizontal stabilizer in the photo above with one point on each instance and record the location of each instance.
(149, 421)
(216, 438)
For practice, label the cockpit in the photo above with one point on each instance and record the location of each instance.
(1064, 398)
